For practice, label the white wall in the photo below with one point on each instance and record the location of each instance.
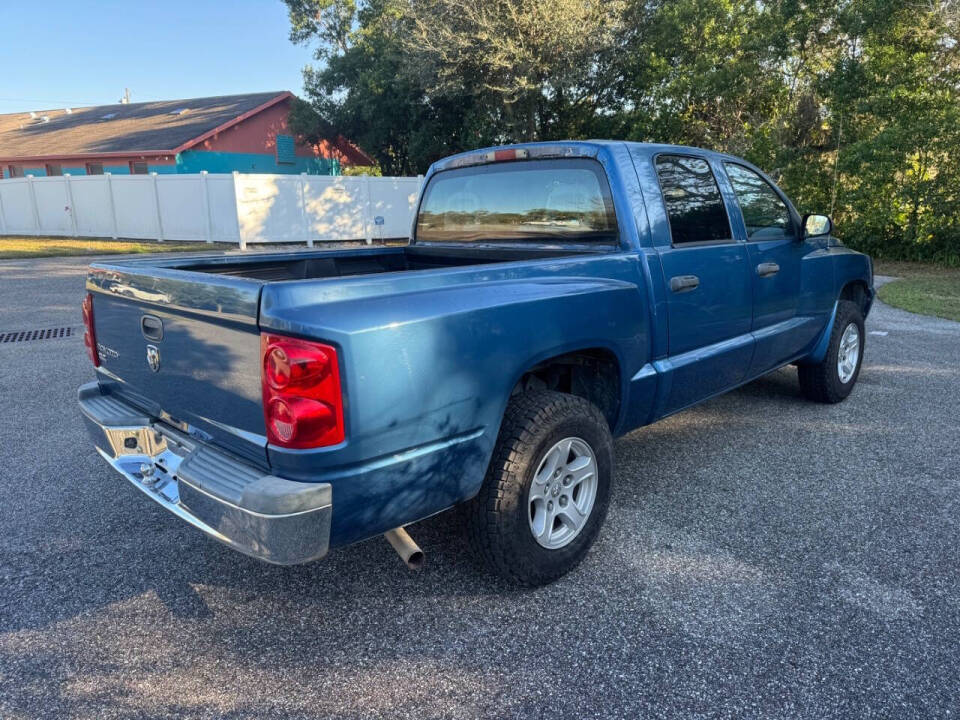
(222, 208)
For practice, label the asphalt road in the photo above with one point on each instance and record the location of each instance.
(763, 557)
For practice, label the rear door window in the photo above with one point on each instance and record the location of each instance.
(693, 201)
(565, 200)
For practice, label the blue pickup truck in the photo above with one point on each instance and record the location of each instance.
(551, 297)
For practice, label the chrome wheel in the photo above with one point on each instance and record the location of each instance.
(848, 353)
(562, 493)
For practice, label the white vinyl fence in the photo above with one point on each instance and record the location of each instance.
(213, 208)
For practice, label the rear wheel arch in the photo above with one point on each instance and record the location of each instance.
(594, 374)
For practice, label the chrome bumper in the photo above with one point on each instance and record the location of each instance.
(270, 518)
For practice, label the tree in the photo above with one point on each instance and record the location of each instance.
(853, 107)
(526, 59)
(897, 89)
(363, 89)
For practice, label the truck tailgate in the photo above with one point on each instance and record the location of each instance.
(183, 346)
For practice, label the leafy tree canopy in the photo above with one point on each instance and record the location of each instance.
(853, 106)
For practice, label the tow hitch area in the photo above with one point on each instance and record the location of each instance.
(150, 457)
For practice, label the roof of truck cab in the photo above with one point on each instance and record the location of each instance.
(656, 147)
(593, 144)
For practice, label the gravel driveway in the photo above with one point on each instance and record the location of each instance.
(763, 557)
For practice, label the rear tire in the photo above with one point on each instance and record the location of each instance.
(554, 451)
(832, 380)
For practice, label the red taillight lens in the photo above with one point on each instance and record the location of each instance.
(89, 335)
(299, 419)
(302, 402)
(501, 155)
(288, 366)
(281, 422)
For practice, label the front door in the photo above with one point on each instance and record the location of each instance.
(775, 255)
(709, 303)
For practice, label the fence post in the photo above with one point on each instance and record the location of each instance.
(156, 202)
(33, 202)
(304, 221)
(113, 205)
(236, 206)
(368, 210)
(73, 208)
(3, 217)
(205, 201)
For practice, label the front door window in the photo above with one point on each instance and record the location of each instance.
(764, 213)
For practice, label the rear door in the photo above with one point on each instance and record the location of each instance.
(775, 253)
(708, 282)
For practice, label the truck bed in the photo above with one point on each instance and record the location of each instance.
(309, 265)
(210, 311)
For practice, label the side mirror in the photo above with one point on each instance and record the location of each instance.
(816, 226)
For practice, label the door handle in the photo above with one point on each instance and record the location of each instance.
(683, 283)
(767, 269)
(151, 327)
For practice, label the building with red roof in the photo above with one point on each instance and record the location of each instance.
(245, 133)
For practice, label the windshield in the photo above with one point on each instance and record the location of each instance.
(534, 200)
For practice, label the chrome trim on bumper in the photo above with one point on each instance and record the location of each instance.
(270, 518)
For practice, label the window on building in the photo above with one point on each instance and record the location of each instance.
(15, 171)
(286, 150)
(94, 168)
(694, 205)
(53, 169)
(138, 167)
(764, 213)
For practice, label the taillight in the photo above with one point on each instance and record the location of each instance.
(302, 402)
(89, 335)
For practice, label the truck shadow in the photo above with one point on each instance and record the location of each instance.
(781, 384)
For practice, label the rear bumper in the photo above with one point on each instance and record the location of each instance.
(274, 519)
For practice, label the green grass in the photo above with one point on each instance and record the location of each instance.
(923, 288)
(14, 248)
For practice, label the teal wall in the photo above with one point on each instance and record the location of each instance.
(82, 170)
(193, 161)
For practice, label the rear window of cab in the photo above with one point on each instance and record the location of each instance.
(565, 200)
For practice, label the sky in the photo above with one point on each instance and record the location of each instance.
(57, 53)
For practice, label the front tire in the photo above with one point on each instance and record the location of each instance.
(546, 491)
(832, 380)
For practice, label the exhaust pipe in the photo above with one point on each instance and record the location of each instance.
(406, 548)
